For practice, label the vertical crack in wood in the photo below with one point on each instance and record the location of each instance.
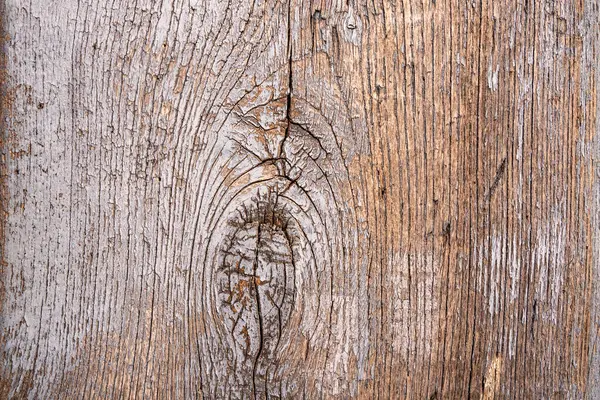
(258, 308)
(288, 120)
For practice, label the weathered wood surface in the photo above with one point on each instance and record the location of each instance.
(233, 199)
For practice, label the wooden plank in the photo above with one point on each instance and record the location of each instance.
(320, 199)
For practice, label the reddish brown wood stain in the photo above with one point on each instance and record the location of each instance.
(264, 199)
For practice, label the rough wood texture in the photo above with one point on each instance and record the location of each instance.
(264, 199)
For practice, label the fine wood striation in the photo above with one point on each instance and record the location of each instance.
(302, 199)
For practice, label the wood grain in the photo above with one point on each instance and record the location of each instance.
(302, 199)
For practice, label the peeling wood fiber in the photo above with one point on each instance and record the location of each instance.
(301, 199)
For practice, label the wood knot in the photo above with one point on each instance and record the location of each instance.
(353, 27)
(256, 282)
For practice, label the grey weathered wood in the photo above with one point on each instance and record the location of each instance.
(394, 199)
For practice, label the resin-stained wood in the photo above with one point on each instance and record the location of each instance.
(266, 199)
